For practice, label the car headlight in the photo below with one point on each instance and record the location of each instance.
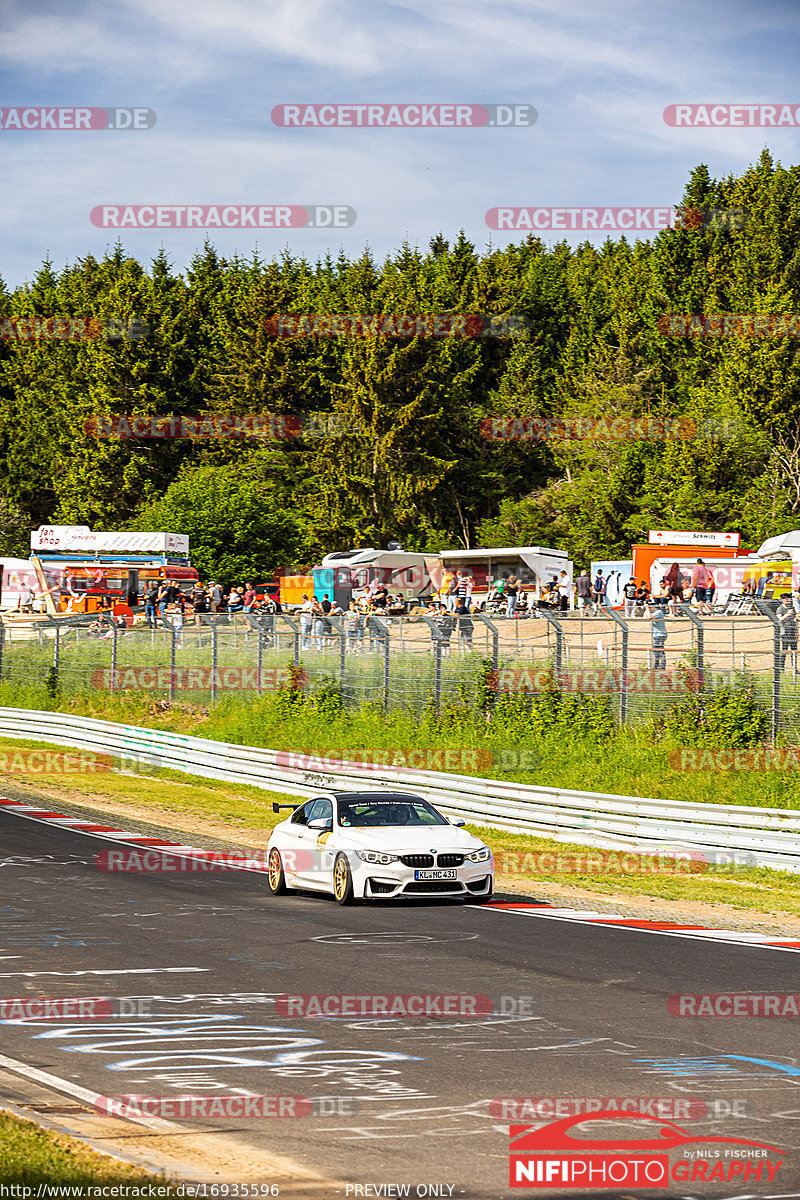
(480, 855)
(373, 856)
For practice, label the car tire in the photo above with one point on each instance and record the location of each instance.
(342, 881)
(276, 880)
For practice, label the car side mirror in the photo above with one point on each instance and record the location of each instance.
(319, 823)
(457, 821)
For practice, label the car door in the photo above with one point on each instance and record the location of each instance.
(315, 864)
(294, 842)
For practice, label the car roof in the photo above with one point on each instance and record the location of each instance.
(371, 797)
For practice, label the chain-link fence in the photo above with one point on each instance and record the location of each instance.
(414, 661)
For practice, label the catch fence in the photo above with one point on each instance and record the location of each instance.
(411, 662)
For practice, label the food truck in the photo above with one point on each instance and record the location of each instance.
(75, 570)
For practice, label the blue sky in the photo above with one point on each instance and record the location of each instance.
(599, 73)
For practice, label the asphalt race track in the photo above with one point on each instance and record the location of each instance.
(207, 955)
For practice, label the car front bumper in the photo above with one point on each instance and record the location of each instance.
(374, 881)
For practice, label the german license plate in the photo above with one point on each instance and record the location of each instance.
(441, 874)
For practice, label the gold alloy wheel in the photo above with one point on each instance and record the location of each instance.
(340, 878)
(274, 870)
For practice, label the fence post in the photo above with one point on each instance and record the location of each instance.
(113, 682)
(776, 665)
(437, 638)
(2, 646)
(495, 632)
(172, 646)
(213, 625)
(700, 642)
(623, 694)
(559, 636)
(383, 633)
(259, 661)
(56, 654)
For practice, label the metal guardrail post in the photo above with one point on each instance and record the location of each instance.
(776, 665)
(559, 636)
(700, 636)
(172, 647)
(623, 694)
(495, 632)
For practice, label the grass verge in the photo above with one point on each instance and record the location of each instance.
(35, 1157)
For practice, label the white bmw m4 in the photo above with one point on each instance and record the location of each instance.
(377, 845)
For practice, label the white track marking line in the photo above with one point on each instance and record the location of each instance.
(80, 1093)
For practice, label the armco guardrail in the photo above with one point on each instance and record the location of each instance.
(767, 837)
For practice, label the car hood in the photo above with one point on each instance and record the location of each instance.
(416, 839)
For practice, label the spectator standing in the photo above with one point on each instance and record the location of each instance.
(249, 597)
(598, 591)
(512, 591)
(214, 596)
(658, 618)
(788, 623)
(583, 590)
(674, 581)
(463, 589)
(630, 591)
(563, 591)
(164, 595)
(150, 601)
(306, 622)
(702, 581)
(235, 603)
(466, 625)
(448, 588)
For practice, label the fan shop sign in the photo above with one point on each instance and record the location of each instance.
(187, 679)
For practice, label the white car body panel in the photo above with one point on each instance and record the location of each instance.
(308, 855)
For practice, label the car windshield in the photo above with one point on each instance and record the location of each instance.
(362, 813)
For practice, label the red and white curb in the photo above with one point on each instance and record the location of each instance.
(738, 937)
(75, 824)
